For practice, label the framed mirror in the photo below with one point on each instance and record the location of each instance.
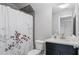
(65, 19)
(66, 25)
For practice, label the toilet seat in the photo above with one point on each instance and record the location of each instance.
(34, 52)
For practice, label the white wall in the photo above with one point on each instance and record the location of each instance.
(43, 24)
(46, 23)
(43, 20)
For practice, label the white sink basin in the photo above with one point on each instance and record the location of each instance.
(68, 41)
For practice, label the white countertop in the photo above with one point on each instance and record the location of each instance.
(68, 41)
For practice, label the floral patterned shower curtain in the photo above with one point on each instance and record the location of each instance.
(16, 31)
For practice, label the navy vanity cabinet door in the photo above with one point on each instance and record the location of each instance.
(60, 49)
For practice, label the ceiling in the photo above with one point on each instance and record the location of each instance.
(56, 8)
(39, 7)
(15, 5)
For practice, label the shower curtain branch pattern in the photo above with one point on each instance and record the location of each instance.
(17, 39)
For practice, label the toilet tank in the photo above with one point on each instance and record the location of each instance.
(40, 44)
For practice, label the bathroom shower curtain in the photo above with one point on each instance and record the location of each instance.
(16, 32)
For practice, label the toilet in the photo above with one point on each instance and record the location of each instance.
(40, 47)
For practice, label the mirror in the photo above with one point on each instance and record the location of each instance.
(66, 25)
(65, 19)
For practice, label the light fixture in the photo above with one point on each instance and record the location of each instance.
(63, 5)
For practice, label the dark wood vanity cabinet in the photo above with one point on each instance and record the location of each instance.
(60, 49)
